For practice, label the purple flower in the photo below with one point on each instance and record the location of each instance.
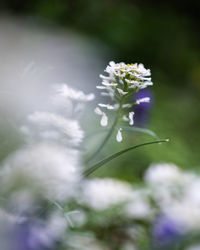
(166, 231)
(31, 235)
(142, 111)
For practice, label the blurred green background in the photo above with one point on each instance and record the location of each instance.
(164, 36)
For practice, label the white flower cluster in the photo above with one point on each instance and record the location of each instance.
(168, 191)
(53, 127)
(58, 124)
(101, 194)
(120, 83)
(178, 194)
(49, 170)
(49, 165)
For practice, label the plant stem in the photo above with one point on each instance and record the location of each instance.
(108, 135)
(104, 161)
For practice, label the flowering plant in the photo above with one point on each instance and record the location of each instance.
(48, 201)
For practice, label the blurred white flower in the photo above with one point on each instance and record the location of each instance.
(101, 194)
(139, 205)
(163, 173)
(50, 126)
(49, 170)
(63, 90)
(176, 193)
(56, 225)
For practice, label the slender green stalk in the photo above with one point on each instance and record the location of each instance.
(108, 135)
(101, 163)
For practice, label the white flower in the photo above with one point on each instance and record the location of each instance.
(104, 118)
(49, 170)
(135, 75)
(121, 91)
(163, 173)
(176, 193)
(50, 126)
(68, 101)
(119, 135)
(76, 95)
(139, 205)
(120, 83)
(101, 194)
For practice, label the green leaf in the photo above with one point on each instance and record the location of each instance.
(141, 130)
(106, 160)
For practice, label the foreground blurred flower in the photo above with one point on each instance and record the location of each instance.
(101, 194)
(122, 81)
(53, 127)
(49, 170)
(32, 233)
(166, 231)
(69, 101)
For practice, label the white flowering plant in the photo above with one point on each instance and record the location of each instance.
(48, 201)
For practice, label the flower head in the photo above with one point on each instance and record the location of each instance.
(124, 77)
(121, 82)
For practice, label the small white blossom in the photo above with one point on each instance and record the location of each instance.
(98, 111)
(122, 92)
(76, 95)
(104, 118)
(119, 135)
(107, 106)
(131, 121)
(139, 205)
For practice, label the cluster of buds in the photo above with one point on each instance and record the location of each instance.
(122, 81)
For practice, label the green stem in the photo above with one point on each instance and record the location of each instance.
(108, 135)
(101, 163)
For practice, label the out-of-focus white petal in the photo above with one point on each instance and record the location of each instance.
(108, 106)
(119, 135)
(98, 111)
(121, 92)
(77, 95)
(131, 121)
(104, 120)
(144, 99)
